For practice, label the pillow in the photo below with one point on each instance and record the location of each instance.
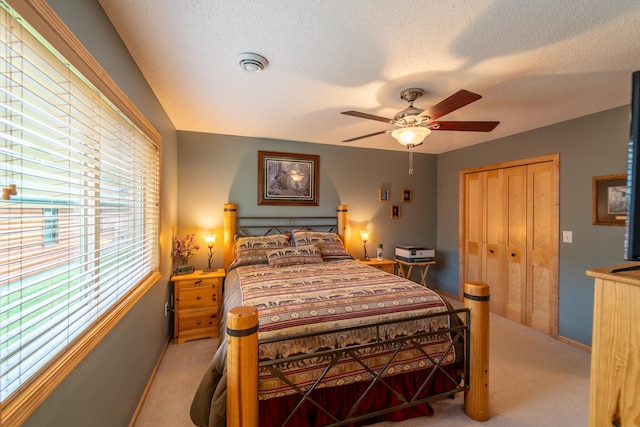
(330, 244)
(308, 254)
(253, 250)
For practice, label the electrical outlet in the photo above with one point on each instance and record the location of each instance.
(166, 309)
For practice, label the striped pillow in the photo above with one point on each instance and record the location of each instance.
(308, 254)
(330, 244)
(253, 250)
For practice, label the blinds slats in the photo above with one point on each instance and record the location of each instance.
(83, 229)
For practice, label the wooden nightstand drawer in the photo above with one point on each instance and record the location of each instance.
(386, 265)
(198, 283)
(198, 320)
(198, 297)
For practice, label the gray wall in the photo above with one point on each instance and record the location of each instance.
(105, 388)
(218, 169)
(588, 146)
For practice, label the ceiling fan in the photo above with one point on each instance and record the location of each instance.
(413, 119)
(413, 125)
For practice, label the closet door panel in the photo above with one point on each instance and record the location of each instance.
(474, 227)
(542, 246)
(516, 241)
(495, 266)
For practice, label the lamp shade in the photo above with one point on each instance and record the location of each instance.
(412, 135)
(364, 235)
(210, 239)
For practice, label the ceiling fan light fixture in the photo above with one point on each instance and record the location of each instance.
(252, 62)
(411, 136)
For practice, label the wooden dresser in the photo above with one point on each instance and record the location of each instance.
(614, 394)
(197, 305)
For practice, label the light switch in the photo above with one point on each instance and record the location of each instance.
(567, 236)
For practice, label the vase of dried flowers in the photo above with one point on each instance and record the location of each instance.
(184, 249)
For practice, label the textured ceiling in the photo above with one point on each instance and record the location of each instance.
(534, 62)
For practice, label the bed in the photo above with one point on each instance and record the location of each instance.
(333, 341)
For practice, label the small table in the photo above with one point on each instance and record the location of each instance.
(423, 265)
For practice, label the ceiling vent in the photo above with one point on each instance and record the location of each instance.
(252, 62)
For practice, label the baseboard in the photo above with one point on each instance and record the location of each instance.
(148, 387)
(575, 344)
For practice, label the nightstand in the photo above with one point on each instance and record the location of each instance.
(387, 265)
(197, 305)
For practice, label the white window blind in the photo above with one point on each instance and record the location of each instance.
(82, 229)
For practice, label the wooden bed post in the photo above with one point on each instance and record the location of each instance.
(242, 367)
(342, 215)
(476, 399)
(229, 222)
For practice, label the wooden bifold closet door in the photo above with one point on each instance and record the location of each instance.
(509, 238)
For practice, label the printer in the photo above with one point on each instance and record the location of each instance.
(410, 253)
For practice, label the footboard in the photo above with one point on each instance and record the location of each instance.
(243, 367)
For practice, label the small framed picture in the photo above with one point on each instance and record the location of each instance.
(395, 211)
(609, 205)
(384, 194)
(407, 195)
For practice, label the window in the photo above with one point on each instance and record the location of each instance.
(80, 234)
(50, 226)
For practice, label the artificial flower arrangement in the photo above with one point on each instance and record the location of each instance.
(186, 248)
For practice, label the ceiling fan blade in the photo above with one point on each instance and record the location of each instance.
(465, 126)
(366, 136)
(452, 103)
(367, 116)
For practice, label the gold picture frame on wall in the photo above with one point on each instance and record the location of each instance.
(287, 179)
(609, 199)
(394, 212)
(384, 194)
(407, 195)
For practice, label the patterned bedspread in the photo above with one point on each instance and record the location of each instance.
(322, 297)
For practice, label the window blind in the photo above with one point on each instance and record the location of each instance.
(81, 229)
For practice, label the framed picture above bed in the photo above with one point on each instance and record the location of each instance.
(288, 179)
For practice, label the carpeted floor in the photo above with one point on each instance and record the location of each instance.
(535, 380)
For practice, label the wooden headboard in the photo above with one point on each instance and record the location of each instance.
(235, 225)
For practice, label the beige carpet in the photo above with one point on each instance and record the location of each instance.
(535, 380)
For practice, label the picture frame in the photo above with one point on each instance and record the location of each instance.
(288, 179)
(384, 194)
(407, 195)
(609, 199)
(395, 211)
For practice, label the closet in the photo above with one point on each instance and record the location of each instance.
(509, 238)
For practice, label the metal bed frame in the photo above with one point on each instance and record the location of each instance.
(243, 410)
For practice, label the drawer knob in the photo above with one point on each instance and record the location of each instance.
(199, 322)
(198, 283)
(198, 297)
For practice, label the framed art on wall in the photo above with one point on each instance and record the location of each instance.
(395, 211)
(384, 194)
(609, 204)
(407, 195)
(287, 179)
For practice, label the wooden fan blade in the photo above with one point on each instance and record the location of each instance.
(452, 103)
(365, 136)
(367, 116)
(465, 126)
